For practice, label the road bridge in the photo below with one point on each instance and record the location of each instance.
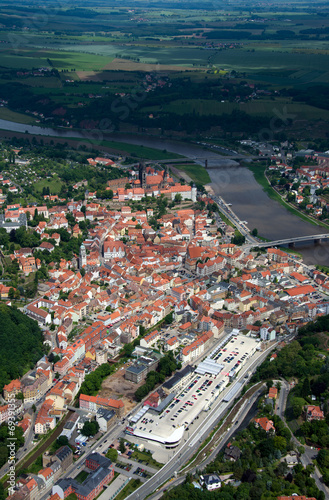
(317, 238)
(202, 159)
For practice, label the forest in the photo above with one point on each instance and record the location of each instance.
(21, 344)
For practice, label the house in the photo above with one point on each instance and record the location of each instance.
(150, 339)
(44, 421)
(272, 393)
(210, 481)
(47, 475)
(232, 453)
(45, 245)
(93, 403)
(172, 343)
(114, 249)
(265, 424)
(12, 389)
(4, 413)
(153, 400)
(291, 459)
(105, 419)
(314, 413)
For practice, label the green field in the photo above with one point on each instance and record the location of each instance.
(94, 48)
(133, 150)
(7, 114)
(264, 107)
(196, 172)
(61, 60)
(54, 185)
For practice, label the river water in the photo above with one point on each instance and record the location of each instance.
(236, 184)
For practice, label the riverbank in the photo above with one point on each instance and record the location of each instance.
(236, 183)
(112, 147)
(260, 176)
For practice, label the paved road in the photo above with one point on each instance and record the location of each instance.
(246, 413)
(232, 217)
(109, 436)
(282, 400)
(191, 445)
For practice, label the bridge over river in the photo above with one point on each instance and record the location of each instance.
(317, 238)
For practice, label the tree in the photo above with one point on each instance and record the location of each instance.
(306, 388)
(112, 454)
(61, 441)
(122, 446)
(297, 409)
(280, 443)
(238, 239)
(254, 232)
(11, 293)
(90, 428)
(21, 344)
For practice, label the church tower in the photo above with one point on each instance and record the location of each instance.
(82, 256)
(142, 174)
(164, 181)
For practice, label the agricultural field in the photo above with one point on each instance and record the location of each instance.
(157, 69)
(258, 107)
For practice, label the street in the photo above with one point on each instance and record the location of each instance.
(192, 444)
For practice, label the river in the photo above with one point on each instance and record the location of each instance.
(236, 184)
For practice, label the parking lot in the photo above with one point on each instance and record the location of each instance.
(216, 371)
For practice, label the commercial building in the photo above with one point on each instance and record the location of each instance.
(144, 364)
(194, 391)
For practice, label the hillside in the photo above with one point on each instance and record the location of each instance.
(21, 344)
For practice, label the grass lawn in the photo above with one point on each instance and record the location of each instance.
(7, 114)
(139, 152)
(196, 172)
(83, 474)
(128, 489)
(54, 185)
(145, 457)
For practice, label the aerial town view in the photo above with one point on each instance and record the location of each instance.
(164, 250)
